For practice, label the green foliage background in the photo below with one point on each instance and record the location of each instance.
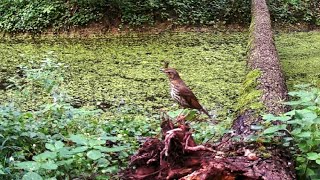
(36, 16)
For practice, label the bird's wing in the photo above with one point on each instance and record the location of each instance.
(189, 97)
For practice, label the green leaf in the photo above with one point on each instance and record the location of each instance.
(96, 142)
(313, 156)
(112, 169)
(65, 162)
(112, 149)
(79, 149)
(44, 156)
(1, 172)
(274, 129)
(31, 176)
(269, 117)
(49, 165)
(28, 165)
(58, 144)
(318, 161)
(79, 139)
(306, 134)
(94, 154)
(64, 152)
(102, 162)
(50, 147)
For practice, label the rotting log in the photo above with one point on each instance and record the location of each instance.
(177, 156)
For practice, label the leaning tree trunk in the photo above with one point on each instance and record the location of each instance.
(178, 157)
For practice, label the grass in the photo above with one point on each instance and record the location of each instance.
(300, 57)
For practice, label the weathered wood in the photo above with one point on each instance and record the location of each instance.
(263, 56)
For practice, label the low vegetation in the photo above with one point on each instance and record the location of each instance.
(299, 130)
(75, 108)
(300, 57)
(37, 16)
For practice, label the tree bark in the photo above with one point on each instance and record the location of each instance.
(178, 157)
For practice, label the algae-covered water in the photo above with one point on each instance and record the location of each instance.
(126, 68)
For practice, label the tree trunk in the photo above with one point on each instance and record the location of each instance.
(178, 156)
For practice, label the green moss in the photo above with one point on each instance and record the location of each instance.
(250, 95)
(300, 57)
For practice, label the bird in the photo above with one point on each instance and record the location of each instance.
(180, 92)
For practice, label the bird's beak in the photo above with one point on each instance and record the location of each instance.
(162, 70)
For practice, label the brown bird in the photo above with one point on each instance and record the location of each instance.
(181, 93)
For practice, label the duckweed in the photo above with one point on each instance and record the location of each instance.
(125, 69)
(300, 57)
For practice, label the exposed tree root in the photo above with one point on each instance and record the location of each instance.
(178, 157)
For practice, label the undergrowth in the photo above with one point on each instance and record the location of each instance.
(299, 130)
(34, 16)
(54, 140)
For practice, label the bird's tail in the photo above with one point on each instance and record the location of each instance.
(206, 112)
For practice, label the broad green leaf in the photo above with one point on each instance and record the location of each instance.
(64, 152)
(65, 162)
(112, 149)
(191, 115)
(310, 172)
(306, 134)
(31, 176)
(58, 144)
(102, 162)
(28, 165)
(313, 156)
(274, 129)
(174, 114)
(45, 155)
(318, 161)
(112, 169)
(49, 165)
(94, 154)
(94, 142)
(79, 149)
(50, 147)
(79, 139)
(306, 114)
(1, 172)
(269, 117)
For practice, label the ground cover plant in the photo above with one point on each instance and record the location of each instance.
(300, 57)
(299, 130)
(82, 106)
(87, 103)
